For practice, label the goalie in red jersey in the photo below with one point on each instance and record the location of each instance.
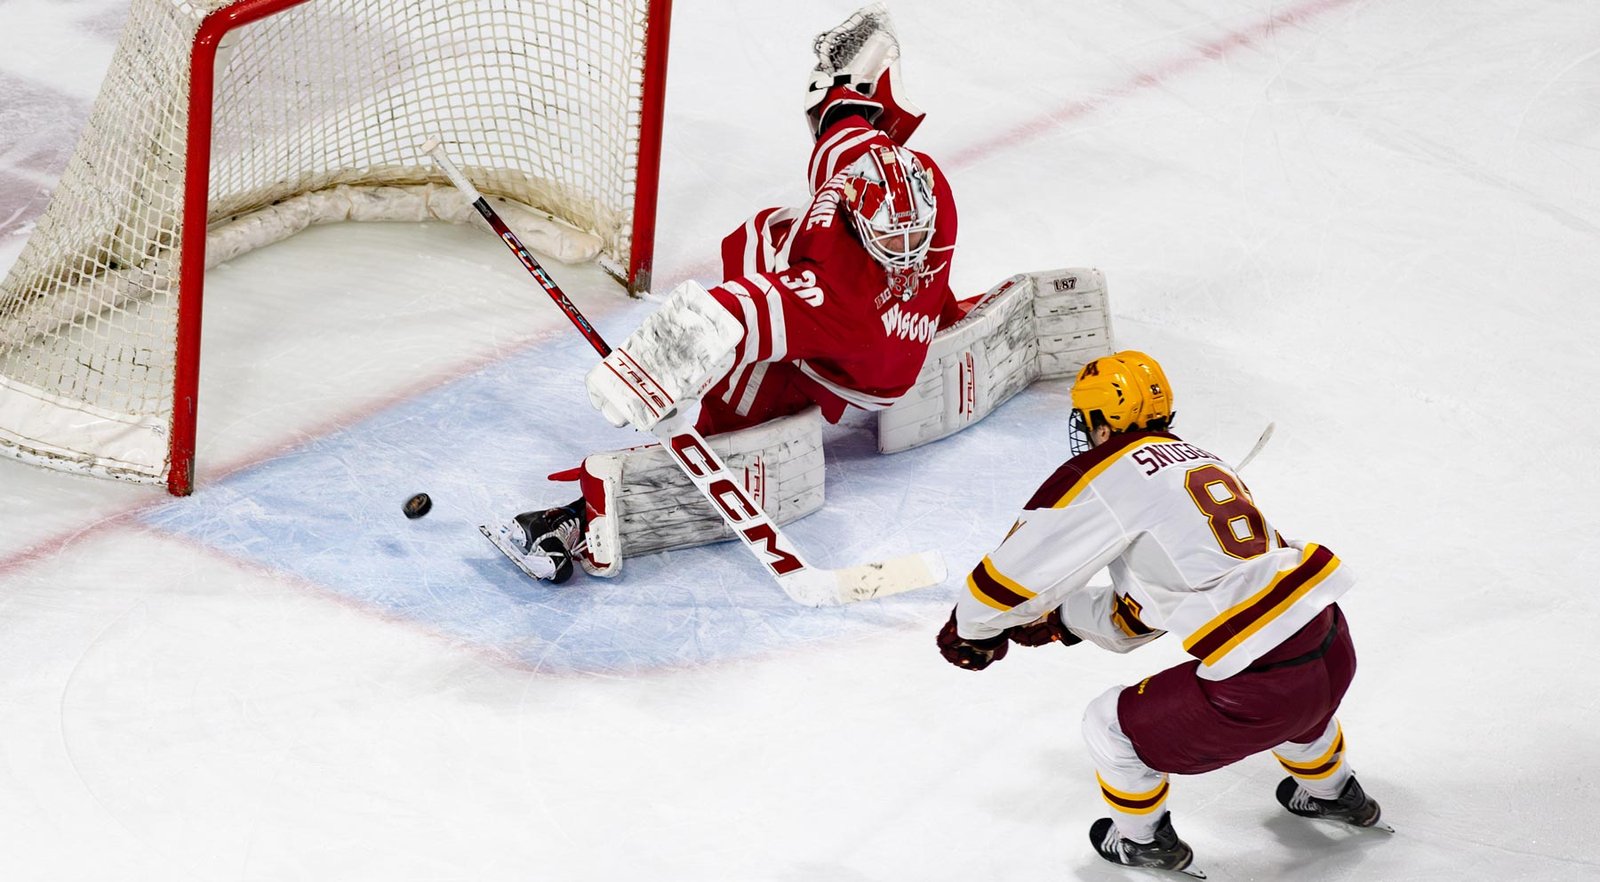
(829, 305)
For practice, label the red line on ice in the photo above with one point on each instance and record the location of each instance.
(1213, 50)
(1141, 81)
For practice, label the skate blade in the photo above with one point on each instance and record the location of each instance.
(1380, 827)
(1193, 871)
(499, 538)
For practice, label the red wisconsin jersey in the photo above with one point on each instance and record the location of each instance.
(822, 323)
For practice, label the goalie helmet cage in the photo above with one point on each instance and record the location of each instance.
(224, 125)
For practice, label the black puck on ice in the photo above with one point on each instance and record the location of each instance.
(418, 505)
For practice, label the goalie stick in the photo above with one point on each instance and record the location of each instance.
(803, 582)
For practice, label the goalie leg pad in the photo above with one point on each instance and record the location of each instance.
(640, 501)
(1073, 315)
(1028, 327)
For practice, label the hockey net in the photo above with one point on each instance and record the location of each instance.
(224, 125)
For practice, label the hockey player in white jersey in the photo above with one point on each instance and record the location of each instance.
(1187, 551)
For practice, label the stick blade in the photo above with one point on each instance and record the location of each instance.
(819, 587)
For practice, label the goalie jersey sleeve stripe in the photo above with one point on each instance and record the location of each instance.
(838, 151)
(779, 332)
(1215, 638)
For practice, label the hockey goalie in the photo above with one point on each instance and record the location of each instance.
(826, 306)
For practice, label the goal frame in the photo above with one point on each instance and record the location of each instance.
(198, 139)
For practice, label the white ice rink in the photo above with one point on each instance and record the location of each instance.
(1374, 222)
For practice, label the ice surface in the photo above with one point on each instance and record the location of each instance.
(1371, 222)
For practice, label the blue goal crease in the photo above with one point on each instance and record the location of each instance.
(329, 512)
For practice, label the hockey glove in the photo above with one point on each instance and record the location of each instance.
(662, 369)
(862, 55)
(1047, 629)
(974, 655)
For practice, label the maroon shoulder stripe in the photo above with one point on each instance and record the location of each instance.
(1073, 470)
(1242, 620)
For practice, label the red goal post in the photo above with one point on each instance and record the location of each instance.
(225, 125)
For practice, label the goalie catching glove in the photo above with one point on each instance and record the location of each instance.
(659, 373)
(858, 73)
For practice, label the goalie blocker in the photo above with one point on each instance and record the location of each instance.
(1030, 326)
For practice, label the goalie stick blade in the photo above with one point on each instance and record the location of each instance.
(814, 586)
(499, 538)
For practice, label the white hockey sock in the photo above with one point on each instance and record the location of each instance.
(1136, 793)
(1319, 767)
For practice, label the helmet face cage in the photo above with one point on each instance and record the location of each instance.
(890, 196)
(1078, 433)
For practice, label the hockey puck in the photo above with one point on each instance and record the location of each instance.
(418, 505)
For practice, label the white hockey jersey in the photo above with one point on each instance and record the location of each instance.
(1186, 548)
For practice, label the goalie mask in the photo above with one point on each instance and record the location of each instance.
(891, 202)
(1126, 392)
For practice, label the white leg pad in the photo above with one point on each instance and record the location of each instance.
(651, 505)
(1030, 326)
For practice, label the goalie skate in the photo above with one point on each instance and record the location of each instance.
(499, 535)
(542, 544)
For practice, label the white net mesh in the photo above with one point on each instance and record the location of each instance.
(539, 101)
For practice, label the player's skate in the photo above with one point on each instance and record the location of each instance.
(542, 544)
(1353, 807)
(1165, 852)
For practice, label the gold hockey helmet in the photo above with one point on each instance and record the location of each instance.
(1126, 391)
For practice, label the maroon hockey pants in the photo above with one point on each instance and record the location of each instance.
(1181, 724)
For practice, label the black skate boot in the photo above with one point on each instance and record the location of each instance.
(555, 534)
(1165, 852)
(1353, 807)
(542, 543)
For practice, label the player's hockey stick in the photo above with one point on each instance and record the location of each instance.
(803, 582)
(1266, 435)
